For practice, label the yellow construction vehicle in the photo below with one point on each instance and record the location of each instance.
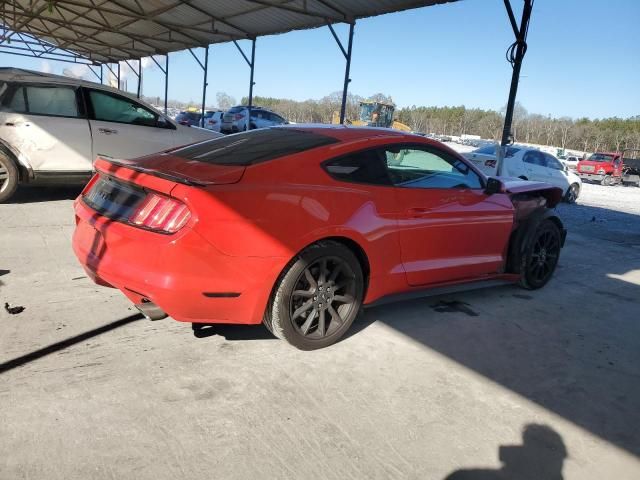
(374, 114)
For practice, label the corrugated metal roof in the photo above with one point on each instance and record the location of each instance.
(112, 30)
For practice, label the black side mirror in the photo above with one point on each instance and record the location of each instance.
(494, 186)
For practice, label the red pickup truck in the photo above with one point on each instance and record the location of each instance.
(602, 167)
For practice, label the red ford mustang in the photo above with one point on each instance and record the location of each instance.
(299, 226)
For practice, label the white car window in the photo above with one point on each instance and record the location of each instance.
(113, 108)
(44, 100)
(58, 101)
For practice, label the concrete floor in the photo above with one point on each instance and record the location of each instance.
(545, 381)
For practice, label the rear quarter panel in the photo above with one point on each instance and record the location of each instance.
(264, 216)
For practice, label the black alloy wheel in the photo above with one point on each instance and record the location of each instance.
(323, 298)
(542, 255)
(317, 297)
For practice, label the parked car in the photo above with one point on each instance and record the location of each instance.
(213, 120)
(48, 137)
(631, 172)
(570, 161)
(605, 168)
(190, 119)
(235, 120)
(529, 164)
(299, 226)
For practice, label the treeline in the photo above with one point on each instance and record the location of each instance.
(581, 134)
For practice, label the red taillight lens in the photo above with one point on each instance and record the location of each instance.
(238, 116)
(161, 213)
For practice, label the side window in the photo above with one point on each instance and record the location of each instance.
(553, 163)
(57, 101)
(360, 167)
(113, 108)
(15, 101)
(41, 100)
(534, 157)
(424, 168)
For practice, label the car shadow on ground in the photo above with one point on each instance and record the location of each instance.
(232, 332)
(30, 194)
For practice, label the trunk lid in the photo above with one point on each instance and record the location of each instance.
(588, 166)
(180, 170)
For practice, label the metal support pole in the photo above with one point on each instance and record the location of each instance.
(251, 82)
(101, 75)
(520, 46)
(343, 106)
(139, 77)
(118, 75)
(204, 83)
(166, 81)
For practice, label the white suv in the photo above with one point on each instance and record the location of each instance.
(528, 164)
(52, 128)
(235, 120)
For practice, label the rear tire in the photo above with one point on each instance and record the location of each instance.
(9, 177)
(606, 181)
(317, 297)
(540, 256)
(572, 193)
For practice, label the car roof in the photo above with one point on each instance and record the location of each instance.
(11, 74)
(346, 132)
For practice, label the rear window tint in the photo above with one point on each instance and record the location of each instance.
(253, 146)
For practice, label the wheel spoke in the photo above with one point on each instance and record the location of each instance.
(301, 309)
(302, 293)
(335, 273)
(308, 321)
(322, 278)
(310, 279)
(321, 323)
(343, 298)
(335, 316)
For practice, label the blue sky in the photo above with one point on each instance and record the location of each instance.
(583, 60)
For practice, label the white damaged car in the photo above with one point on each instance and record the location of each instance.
(528, 164)
(52, 128)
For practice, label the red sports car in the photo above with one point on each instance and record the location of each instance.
(299, 226)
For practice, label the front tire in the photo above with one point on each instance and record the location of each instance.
(317, 297)
(9, 177)
(541, 255)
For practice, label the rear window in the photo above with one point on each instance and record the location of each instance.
(235, 109)
(253, 146)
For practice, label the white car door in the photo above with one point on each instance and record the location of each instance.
(535, 166)
(124, 128)
(46, 124)
(556, 172)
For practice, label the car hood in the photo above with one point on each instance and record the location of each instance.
(192, 172)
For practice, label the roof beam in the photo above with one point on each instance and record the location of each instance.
(298, 10)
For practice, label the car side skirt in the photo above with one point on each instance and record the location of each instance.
(498, 280)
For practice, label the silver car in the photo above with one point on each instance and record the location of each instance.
(235, 119)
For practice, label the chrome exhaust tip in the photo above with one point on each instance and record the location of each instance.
(151, 311)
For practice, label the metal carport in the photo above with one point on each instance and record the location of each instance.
(104, 32)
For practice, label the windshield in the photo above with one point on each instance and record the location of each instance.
(366, 111)
(600, 157)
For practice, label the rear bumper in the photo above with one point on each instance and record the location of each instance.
(183, 274)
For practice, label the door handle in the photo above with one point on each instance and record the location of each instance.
(107, 131)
